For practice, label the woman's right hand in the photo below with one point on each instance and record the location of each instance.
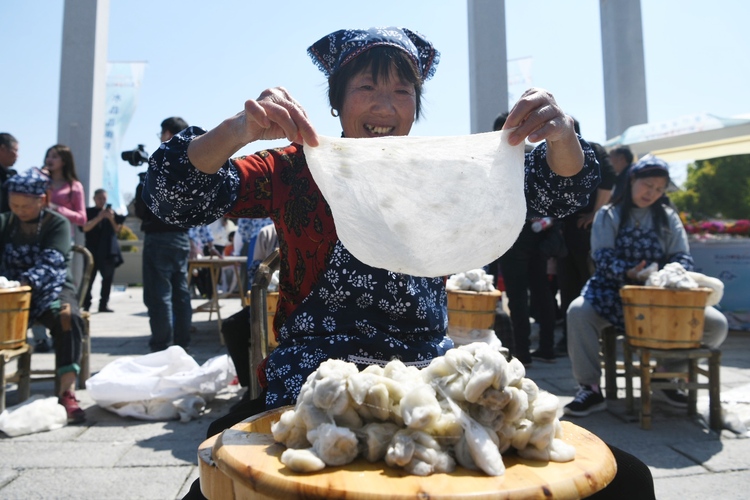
(273, 115)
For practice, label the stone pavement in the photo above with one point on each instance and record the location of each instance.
(115, 457)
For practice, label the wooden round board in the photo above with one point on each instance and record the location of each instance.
(249, 457)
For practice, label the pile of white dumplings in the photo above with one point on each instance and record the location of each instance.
(6, 283)
(467, 407)
(476, 280)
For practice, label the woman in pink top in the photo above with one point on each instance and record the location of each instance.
(66, 191)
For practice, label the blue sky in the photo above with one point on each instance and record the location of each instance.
(204, 59)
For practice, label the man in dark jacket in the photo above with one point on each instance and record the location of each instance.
(166, 249)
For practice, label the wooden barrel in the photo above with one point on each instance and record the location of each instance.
(472, 309)
(247, 455)
(664, 318)
(14, 316)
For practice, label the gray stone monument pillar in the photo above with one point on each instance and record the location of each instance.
(488, 63)
(83, 76)
(623, 65)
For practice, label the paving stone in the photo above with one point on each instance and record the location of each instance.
(130, 483)
(54, 455)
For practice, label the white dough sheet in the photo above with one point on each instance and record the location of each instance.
(425, 206)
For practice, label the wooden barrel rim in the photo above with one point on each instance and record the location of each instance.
(662, 306)
(247, 454)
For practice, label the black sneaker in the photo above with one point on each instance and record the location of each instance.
(586, 402)
(543, 356)
(675, 397)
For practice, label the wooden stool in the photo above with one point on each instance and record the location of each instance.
(651, 379)
(663, 323)
(612, 368)
(22, 375)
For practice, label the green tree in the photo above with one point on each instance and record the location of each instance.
(719, 187)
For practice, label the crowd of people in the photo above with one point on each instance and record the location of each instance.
(376, 82)
(44, 208)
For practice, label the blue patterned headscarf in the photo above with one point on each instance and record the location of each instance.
(32, 182)
(650, 166)
(333, 51)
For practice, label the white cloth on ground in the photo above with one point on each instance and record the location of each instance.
(162, 385)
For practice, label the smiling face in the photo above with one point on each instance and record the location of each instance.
(377, 108)
(646, 190)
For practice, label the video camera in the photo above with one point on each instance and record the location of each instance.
(135, 157)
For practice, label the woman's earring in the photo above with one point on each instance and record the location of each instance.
(334, 113)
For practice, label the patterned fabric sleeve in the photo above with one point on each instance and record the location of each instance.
(683, 258)
(46, 278)
(49, 271)
(552, 195)
(180, 194)
(249, 228)
(612, 267)
(202, 236)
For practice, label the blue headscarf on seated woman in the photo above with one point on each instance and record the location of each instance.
(648, 166)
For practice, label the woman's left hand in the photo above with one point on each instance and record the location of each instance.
(633, 272)
(538, 117)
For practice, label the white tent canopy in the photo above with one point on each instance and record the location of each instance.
(688, 138)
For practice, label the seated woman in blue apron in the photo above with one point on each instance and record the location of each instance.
(375, 79)
(35, 250)
(640, 227)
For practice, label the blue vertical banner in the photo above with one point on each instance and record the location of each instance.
(519, 78)
(123, 84)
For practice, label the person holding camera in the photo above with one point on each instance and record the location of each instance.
(101, 230)
(166, 249)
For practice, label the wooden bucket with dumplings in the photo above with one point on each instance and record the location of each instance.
(664, 318)
(244, 462)
(472, 310)
(14, 316)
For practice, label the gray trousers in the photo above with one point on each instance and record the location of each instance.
(585, 326)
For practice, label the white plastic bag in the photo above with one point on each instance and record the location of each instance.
(36, 414)
(155, 386)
